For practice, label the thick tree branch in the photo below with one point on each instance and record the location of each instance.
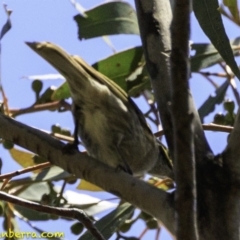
(183, 117)
(232, 153)
(154, 21)
(218, 194)
(154, 18)
(230, 160)
(158, 203)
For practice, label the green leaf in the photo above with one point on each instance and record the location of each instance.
(91, 205)
(124, 68)
(35, 191)
(109, 224)
(32, 215)
(207, 55)
(87, 186)
(229, 3)
(138, 81)
(51, 174)
(209, 105)
(233, 8)
(7, 144)
(107, 19)
(61, 92)
(25, 159)
(46, 96)
(210, 20)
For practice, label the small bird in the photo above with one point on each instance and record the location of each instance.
(110, 125)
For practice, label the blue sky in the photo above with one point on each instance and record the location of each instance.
(44, 20)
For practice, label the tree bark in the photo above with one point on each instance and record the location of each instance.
(183, 126)
(158, 203)
(208, 184)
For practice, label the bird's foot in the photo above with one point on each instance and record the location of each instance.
(125, 169)
(70, 148)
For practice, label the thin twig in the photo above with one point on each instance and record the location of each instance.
(25, 170)
(5, 101)
(40, 107)
(208, 127)
(235, 91)
(223, 75)
(20, 216)
(60, 195)
(230, 77)
(152, 120)
(217, 128)
(143, 233)
(153, 109)
(210, 80)
(63, 212)
(62, 137)
(7, 26)
(158, 233)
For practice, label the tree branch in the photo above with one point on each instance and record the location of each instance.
(222, 181)
(154, 18)
(209, 127)
(183, 122)
(40, 107)
(231, 165)
(63, 212)
(231, 156)
(25, 170)
(158, 203)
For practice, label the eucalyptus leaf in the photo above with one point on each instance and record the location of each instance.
(61, 92)
(107, 19)
(87, 186)
(207, 55)
(233, 8)
(46, 96)
(126, 68)
(211, 23)
(209, 105)
(25, 159)
(51, 174)
(91, 205)
(110, 223)
(140, 82)
(32, 215)
(35, 191)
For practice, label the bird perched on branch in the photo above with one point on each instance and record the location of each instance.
(110, 125)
